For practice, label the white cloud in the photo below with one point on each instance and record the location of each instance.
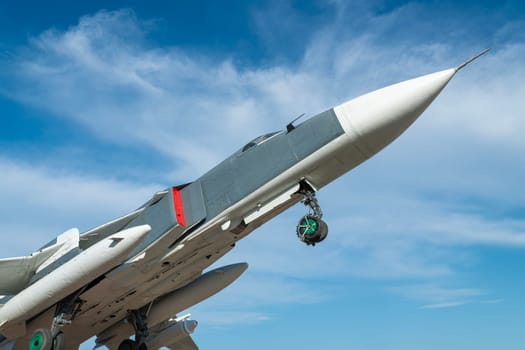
(39, 203)
(432, 292)
(437, 297)
(443, 305)
(102, 74)
(426, 221)
(492, 301)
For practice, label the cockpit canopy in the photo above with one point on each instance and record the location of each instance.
(258, 140)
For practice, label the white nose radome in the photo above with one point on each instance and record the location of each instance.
(375, 119)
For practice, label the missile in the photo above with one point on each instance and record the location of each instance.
(172, 334)
(172, 303)
(202, 288)
(73, 275)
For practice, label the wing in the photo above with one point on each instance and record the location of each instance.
(98, 233)
(16, 273)
(94, 235)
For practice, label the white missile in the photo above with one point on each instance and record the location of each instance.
(172, 303)
(172, 334)
(76, 273)
(202, 288)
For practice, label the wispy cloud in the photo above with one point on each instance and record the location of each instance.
(443, 305)
(102, 74)
(39, 203)
(492, 301)
(425, 220)
(439, 297)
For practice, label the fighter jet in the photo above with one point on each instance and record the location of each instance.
(126, 280)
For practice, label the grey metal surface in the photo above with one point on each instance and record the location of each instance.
(244, 172)
(193, 203)
(160, 216)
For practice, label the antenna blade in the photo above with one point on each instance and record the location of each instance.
(472, 59)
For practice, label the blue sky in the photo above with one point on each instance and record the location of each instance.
(103, 104)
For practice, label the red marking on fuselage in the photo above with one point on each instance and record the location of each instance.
(177, 204)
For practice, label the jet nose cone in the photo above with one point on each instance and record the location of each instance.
(377, 118)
